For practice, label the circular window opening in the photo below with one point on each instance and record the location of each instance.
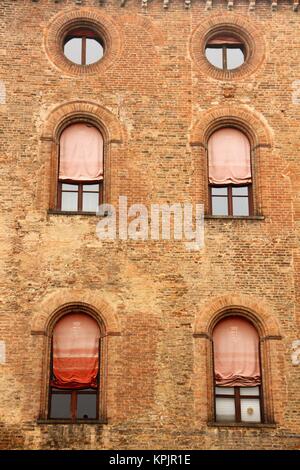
(225, 51)
(83, 46)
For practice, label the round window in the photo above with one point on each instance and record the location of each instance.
(83, 46)
(225, 51)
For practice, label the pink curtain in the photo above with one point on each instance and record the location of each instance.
(236, 353)
(229, 157)
(224, 40)
(81, 153)
(75, 352)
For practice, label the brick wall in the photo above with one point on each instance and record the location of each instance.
(157, 299)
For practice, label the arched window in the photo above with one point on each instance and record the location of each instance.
(80, 176)
(74, 375)
(230, 175)
(237, 371)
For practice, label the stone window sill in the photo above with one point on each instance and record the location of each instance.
(241, 425)
(69, 213)
(67, 421)
(235, 217)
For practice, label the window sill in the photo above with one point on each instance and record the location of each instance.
(235, 217)
(68, 421)
(68, 213)
(241, 425)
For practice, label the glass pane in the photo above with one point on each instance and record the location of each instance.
(69, 187)
(219, 191)
(215, 56)
(69, 201)
(86, 406)
(90, 202)
(240, 206)
(94, 51)
(250, 410)
(91, 187)
(72, 50)
(235, 58)
(60, 405)
(249, 391)
(240, 191)
(225, 390)
(225, 409)
(219, 205)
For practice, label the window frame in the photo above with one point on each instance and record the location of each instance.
(84, 35)
(230, 198)
(237, 400)
(251, 186)
(224, 48)
(74, 392)
(237, 404)
(80, 184)
(80, 193)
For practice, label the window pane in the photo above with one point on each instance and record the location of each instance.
(72, 50)
(215, 56)
(225, 409)
(91, 187)
(60, 405)
(235, 58)
(86, 406)
(250, 410)
(219, 191)
(94, 51)
(240, 206)
(249, 391)
(69, 187)
(219, 205)
(240, 191)
(225, 390)
(90, 202)
(69, 201)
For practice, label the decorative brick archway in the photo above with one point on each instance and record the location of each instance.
(252, 124)
(61, 116)
(265, 321)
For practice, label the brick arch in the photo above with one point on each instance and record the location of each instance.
(251, 122)
(110, 31)
(252, 308)
(241, 25)
(79, 109)
(148, 26)
(45, 314)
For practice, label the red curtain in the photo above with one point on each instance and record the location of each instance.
(224, 40)
(81, 153)
(236, 353)
(75, 352)
(229, 157)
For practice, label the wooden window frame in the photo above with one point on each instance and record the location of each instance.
(74, 393)
(237, 403)
(224, 48)
(83, 34)
(80, 184)
(230, 198)
(80, 193)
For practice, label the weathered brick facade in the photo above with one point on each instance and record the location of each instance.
(157, 100)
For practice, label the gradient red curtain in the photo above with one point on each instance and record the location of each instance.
(229, 157)
(81, 153)
(75, 352)
(224, 40)
(236, 353)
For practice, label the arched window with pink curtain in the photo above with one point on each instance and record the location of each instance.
(81, 168)
(74, 377)
(230, 173)
(237, 371)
